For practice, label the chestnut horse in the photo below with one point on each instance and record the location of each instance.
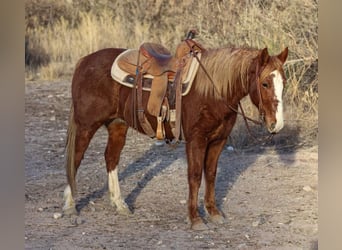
(208, 116)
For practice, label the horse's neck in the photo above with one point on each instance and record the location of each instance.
(236, 98)
(233, 69)
(243, 83)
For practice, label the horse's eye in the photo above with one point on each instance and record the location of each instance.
(265, 85)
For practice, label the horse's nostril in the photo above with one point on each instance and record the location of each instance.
(272, 127)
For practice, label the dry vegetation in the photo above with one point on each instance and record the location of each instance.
(58, 33)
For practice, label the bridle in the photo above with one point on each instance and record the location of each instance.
(242, 113)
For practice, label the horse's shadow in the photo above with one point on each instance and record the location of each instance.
(161, 158)
(156, 159)
(228, 172)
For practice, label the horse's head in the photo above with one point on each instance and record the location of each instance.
(266, 90)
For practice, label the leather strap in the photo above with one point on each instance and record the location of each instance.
(138, 78)
(164, 115)
(178, 85)
(144, 123)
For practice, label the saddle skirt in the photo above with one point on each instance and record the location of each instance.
(126, 76)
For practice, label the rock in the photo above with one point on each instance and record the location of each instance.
(307, 188)
(242, 246)
(159, 143)
(255, 223)
(57, 216)
(76, 221)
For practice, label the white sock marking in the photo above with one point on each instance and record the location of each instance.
(114, 189)
(69, 200)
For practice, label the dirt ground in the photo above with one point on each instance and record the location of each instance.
(269, 196)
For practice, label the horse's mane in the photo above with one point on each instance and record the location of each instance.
(228, 67)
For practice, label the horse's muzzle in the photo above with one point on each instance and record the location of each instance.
(275, 127)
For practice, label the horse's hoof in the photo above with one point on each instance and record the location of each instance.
(70, 211)
(124, 211)
(217, 219)
(121, 207)
(199, 225)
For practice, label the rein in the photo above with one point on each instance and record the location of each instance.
(242, 113)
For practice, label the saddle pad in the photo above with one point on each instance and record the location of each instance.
(126, 79)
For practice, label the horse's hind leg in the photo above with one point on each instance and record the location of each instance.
(210, 168)
(78, 142)
(117, 131)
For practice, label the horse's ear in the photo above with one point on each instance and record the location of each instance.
(283, 55)
(264, 57)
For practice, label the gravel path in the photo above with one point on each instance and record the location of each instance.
(269, 196)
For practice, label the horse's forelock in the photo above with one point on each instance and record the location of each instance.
(273, 64)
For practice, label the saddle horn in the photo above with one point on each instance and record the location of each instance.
(191, 35)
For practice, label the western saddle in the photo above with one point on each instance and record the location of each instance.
(155, 60)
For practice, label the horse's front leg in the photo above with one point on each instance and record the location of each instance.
(210, 168)
(195, 154)
(116, 140)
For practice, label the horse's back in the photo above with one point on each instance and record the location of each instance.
(94, 92)
(96, 64)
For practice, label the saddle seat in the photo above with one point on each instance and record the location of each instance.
(157, 51)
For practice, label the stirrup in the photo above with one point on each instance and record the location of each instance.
(160, 134)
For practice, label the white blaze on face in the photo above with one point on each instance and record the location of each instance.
(278, 91)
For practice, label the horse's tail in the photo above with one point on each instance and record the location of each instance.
(70, 152)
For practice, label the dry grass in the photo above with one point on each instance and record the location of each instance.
(58, 34)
